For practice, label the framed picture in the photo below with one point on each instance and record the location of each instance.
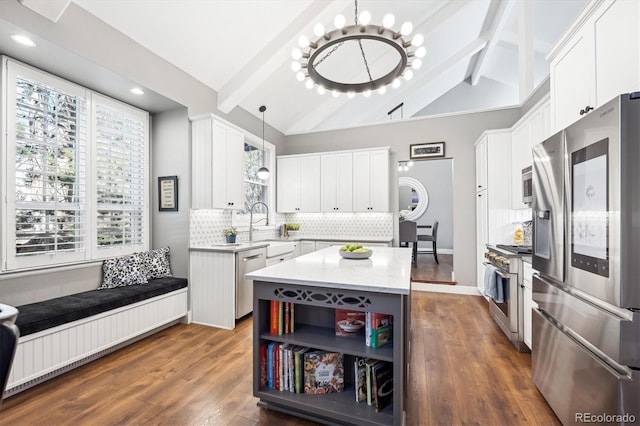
(426, 150)
(168, 193)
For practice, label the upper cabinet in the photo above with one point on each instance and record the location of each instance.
(598, 59)
(533, 128)
(336, 185)
(334, 182)
(216, 165)
(371, 181)
(298, 184)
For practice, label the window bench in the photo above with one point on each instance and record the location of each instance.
(60, 334)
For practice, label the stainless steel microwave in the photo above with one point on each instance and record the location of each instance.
(527, 185)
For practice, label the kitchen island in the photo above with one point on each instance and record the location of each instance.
(317, 284)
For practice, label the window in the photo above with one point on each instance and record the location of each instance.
(120, 174)
(255, 189)
(76, 172)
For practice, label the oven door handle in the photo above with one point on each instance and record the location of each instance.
(498, 271)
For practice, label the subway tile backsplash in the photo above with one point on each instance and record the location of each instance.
(344, 226)
(206, 226)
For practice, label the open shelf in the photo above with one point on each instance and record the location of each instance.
(315, 328)
(340, 406)
(325, 339)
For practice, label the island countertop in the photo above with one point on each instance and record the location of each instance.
(388, 270)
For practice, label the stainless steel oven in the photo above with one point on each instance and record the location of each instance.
(507, 310)
(527, 185)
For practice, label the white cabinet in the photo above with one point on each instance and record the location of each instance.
(371, 181)
(493, 200)
(324, 244)
(334, 182)
(216, 165)
(533, 128)
(481, 165)
(336, 186)
(298, 184)
(528, 304)
(307, 246)
(598, 59)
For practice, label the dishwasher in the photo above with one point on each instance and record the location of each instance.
(247, 261)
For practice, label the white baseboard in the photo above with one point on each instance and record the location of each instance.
(444, 288)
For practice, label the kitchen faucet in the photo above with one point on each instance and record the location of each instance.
(251, 218)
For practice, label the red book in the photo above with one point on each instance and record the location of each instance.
(263, 365)
(286, 317)
(274, 317)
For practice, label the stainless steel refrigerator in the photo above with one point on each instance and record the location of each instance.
(586, 251)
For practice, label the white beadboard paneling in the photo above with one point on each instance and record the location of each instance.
(213, 292)
(41, 353)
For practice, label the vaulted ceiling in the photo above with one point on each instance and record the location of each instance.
(242, 50)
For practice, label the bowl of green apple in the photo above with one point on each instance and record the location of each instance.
(355, 251)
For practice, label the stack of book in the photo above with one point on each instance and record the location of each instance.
(297, 369)
(373, 382)
(281, 317)
(377, 328)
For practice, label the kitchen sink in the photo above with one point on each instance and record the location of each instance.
(278, 248)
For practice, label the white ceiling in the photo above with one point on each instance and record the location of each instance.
(241, 49)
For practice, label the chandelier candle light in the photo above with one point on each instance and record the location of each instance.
(306, 61)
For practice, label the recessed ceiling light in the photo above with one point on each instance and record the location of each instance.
(137, 91)
(24, 40)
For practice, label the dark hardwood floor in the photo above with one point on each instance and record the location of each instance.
(463, 370)
(426, 269)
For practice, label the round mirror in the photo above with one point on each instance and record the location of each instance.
(413, 198)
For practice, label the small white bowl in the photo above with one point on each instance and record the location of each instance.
(356, 255)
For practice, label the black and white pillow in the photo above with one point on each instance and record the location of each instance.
(122, 271)
(157, 263)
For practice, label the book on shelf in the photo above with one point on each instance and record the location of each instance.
(382, 385)
(273, 319)
(287, 319)
(323, 372)
(349, 323)
(378, 329)
(263, 365)
(381, 336)
(369, 364)
(271, 364)
(281, 317)
(360, 378)
(299, 368)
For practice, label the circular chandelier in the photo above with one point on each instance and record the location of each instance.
(311, 54)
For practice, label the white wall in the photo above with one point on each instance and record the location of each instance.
(458, 131)
(171, 156)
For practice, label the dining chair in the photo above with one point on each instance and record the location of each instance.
(433, 238)
(408, 233)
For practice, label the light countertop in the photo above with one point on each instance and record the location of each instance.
(388, 270)
(233, 248)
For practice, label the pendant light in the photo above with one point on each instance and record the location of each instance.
(263, 172)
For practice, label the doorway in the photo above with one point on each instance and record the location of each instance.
(435, 198)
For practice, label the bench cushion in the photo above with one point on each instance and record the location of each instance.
(50, 313)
